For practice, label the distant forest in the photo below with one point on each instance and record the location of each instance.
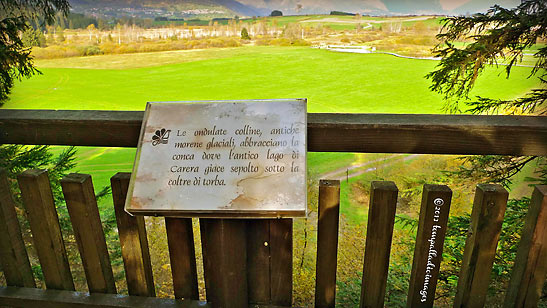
(82, 21)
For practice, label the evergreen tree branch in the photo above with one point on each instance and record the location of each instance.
(16, 16)
(532, 102)
(497, 37)
(491, 168)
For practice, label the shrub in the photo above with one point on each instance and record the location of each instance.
(90, 50)
(282, 42)
(107, 47)
(55, 52)
(33, 38)
(341, 13)
(300, 42)
(245, 34)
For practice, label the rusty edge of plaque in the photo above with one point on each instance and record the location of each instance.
(265, 214)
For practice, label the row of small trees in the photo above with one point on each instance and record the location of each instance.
(133, 34)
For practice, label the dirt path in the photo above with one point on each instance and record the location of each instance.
(366, 51)
(352, 167)
(341, 173)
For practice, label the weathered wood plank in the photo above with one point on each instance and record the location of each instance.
(29, 297)
(327, 243)
(381, 218)
(327, 132)
(225, 261)
(88, 231)
(480, 247)
(13, 254)
(281, 261)
(46, 232)
(75, 127)
(530, 270)
(269, 261)
(427, 134)
(428, 252)
(258, 261)
(180, 237)
(133, 240)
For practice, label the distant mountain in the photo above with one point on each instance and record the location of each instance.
(292, 7)
(229, 8)
(377, 7)
(244, 10)
(168, 8)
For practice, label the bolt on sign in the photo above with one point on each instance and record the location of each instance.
(221, 159)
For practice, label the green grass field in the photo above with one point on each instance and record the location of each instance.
(341, 22)
(335, 22)
(332, 82)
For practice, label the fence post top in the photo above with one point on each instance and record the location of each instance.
(329, 183)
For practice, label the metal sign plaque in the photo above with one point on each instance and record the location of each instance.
(221, 159)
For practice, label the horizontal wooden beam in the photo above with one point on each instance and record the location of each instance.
(70, 127)
(327, 132)
(30, 297)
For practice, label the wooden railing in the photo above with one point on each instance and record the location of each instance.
(327, 132)
(249, 262)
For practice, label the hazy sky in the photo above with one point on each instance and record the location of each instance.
(449, 5)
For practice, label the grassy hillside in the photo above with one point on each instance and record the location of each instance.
(332, 82)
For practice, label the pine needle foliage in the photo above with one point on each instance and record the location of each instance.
(499, 37)
(16, 17)
(468, 44)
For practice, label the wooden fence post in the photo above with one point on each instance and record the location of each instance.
(258, 261)
(13, 254)
(88, 231)
(281, 261)
(381, 218)
(269, 261)
(530, 269)
(327, 243)
(133, 240)
(180, 237)
(429, 245)
(46, 232)
(225, 261)
(480, 247)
